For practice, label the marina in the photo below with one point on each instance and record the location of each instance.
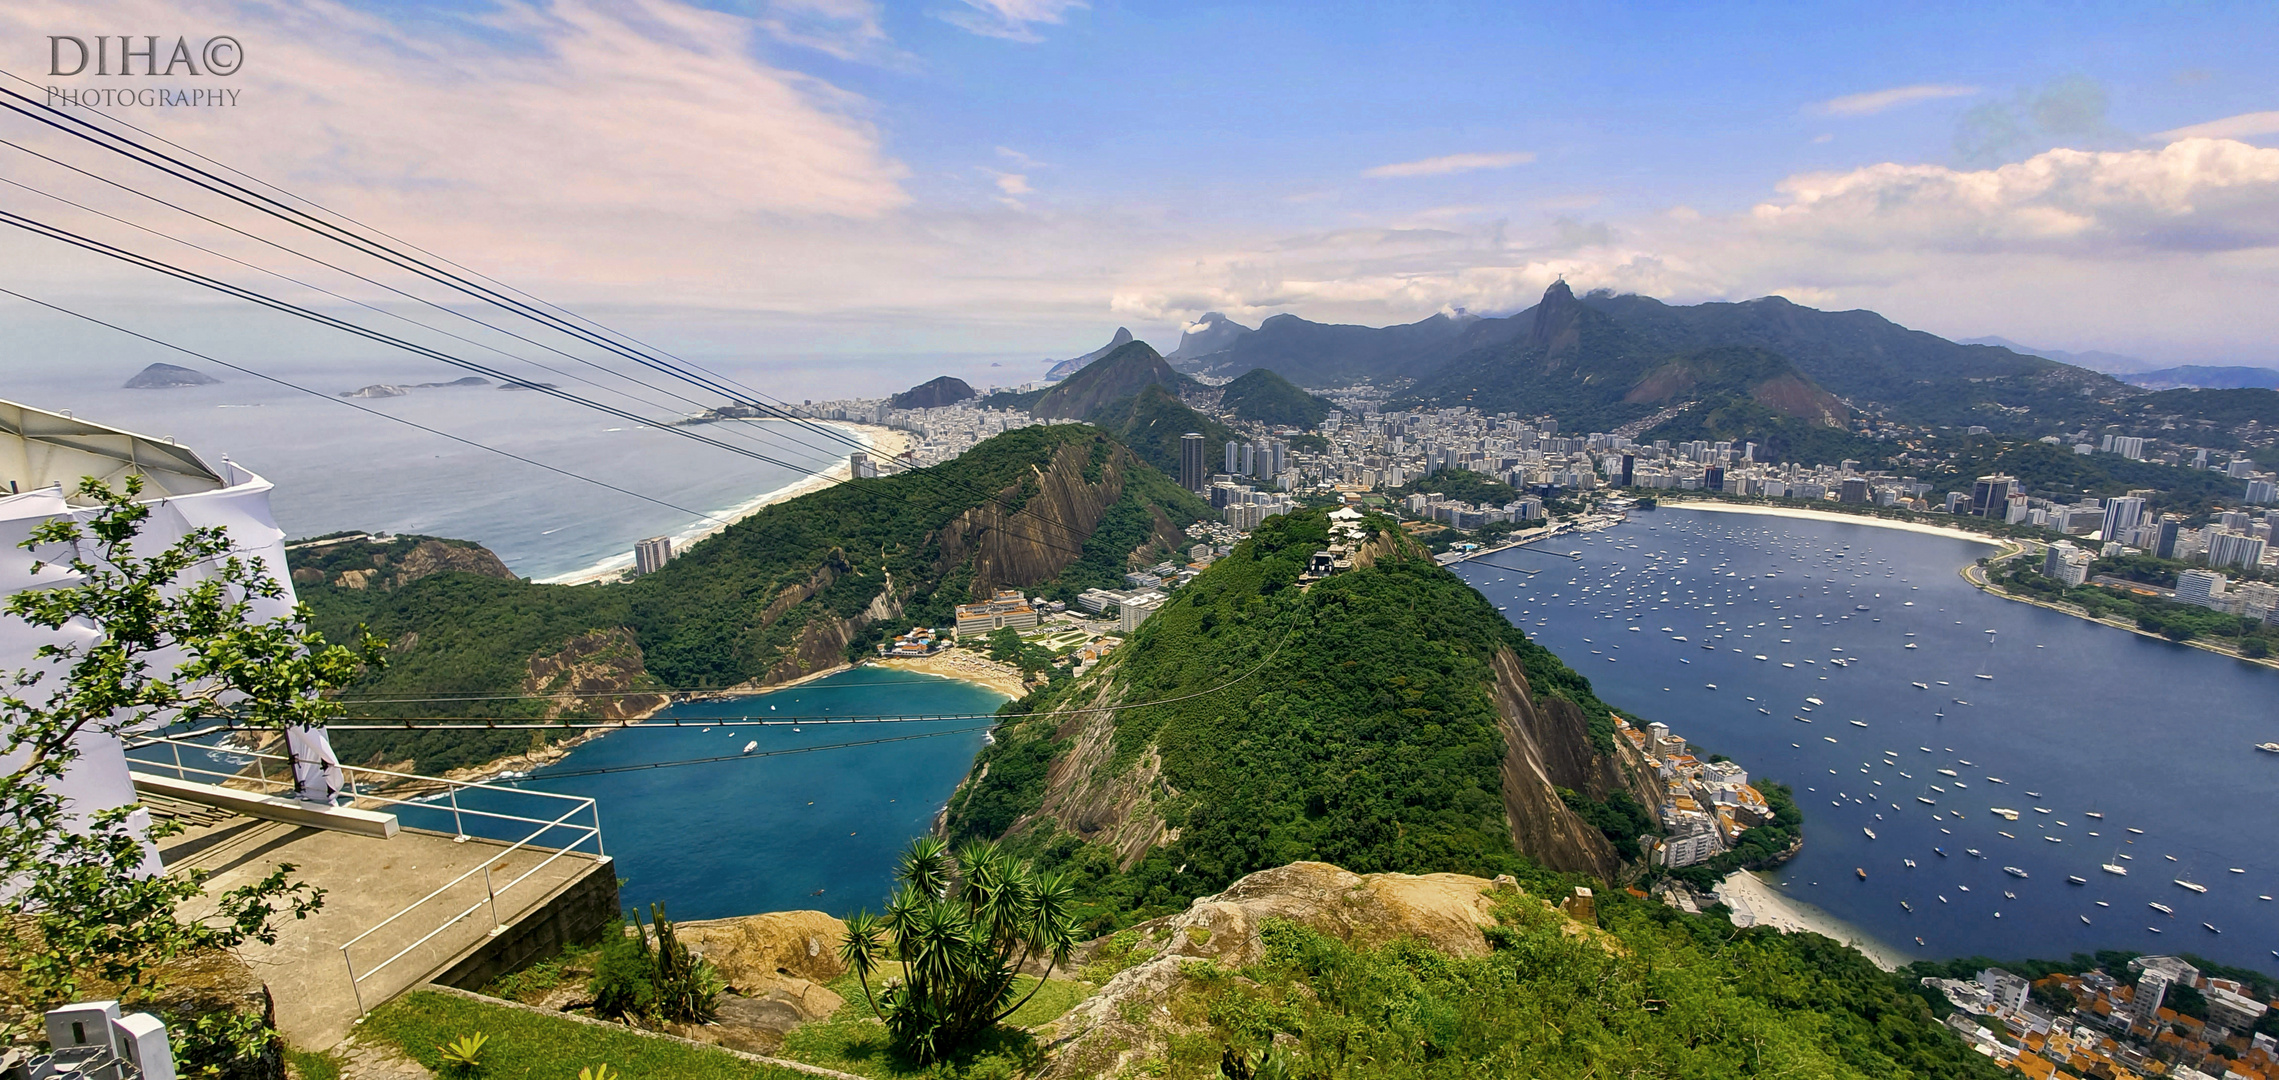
(2091, 727)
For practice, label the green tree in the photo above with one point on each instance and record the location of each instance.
(961, 928)
(85, 908)
(1004, 645)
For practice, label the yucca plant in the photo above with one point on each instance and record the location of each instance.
(962, 926)
(463, 1056)
(599, 1072)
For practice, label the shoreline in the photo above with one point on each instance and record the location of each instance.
(1838, 518)
(973, 670)
(883, 444)
(1757, 902)
(966, 666)
(2000, 593)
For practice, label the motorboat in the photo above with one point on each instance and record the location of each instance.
(2192, 885)
(1870, 832)
(2013, 871)
(2076, 879)
(2162, 908)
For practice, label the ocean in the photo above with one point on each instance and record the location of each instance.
(336, 468)
(1725, 625)
(794, 831)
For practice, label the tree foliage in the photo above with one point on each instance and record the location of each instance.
(175, 641)
(959, 930)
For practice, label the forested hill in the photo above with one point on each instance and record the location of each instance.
(1267, 398)
(1383, 718)
(797, 587)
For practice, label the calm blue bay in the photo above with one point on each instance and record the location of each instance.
(756, 833)
(2074, 718)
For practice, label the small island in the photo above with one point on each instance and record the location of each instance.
(167, 377)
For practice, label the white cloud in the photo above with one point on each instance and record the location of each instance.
(2243, 126)
(1451, 163)
(1875, 101)
(1011, 183)
(1013, 20)
(847, 29)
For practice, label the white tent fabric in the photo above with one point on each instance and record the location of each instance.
(42, 457)
(316, 771)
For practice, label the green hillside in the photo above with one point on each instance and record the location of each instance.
(783, 591)
(1359, 728)
(1151, 422)
(1261, 396)
(1129, 369)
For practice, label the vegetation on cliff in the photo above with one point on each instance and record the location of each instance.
(1151, 422)
(796, 587)
(1357, 724)
(1659, 993)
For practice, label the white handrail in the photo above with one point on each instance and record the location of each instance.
(580, 832)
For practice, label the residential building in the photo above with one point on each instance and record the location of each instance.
(2121, 513)
(2261, 492)
(2201, 588)
(860, 466)
(1136, 608)
(651, 555)
(2229, 548)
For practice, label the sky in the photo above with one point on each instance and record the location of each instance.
(853, 196)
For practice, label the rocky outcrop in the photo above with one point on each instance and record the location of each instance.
(591, 674)
(365, 563)
(1044, 532)
(1130, 1020)
(1557, 332)
(1547, 747)
(1084, 796)
(776, 966)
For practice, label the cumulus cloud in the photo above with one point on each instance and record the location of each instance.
(1451, 163)
(1875, 101)
(2243, 126)
(1013, 20)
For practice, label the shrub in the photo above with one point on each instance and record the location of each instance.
(955, 927)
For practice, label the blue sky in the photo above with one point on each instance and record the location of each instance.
(790, 180)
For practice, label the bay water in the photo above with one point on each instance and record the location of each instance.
(1725, 625)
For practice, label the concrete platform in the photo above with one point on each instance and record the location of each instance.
(365, 880)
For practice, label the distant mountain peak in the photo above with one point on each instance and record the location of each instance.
(1065, 368)
(1557, 331)
(1124, 371)
(1212, 333)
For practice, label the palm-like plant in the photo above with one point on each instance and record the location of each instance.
(962, 926)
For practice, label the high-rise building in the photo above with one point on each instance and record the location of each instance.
(651, 555)
(1855, 491)
(1991, 495)
(1192, 474)
(1630, 465)
(2122, 513)
(2240, 468)
(860, 466)
(2200, 588)
(2228, 548)
(2165, 547)
(1234, 458)
(2262, 492)
(2020, 508)
(1713, 478)
(2152, 988)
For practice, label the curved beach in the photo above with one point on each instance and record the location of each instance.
(1841, 519)
(1755, 902)
(884, 443)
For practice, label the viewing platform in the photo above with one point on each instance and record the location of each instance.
(425, 880)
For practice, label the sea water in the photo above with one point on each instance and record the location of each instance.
(336, 468)
(2076, 718)
(768, 831)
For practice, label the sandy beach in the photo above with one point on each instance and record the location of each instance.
(964, 665)
(1756, 903)
(1843, 519)
(884, 443)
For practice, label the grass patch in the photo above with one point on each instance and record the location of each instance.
(312, 1065)
(533, 983)
(525, 1046)
(853, 1040)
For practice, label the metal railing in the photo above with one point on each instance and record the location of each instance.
(367, 788)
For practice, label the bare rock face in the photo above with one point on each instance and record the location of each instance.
(589, 666)
(753, 949)
(1129, 1020)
